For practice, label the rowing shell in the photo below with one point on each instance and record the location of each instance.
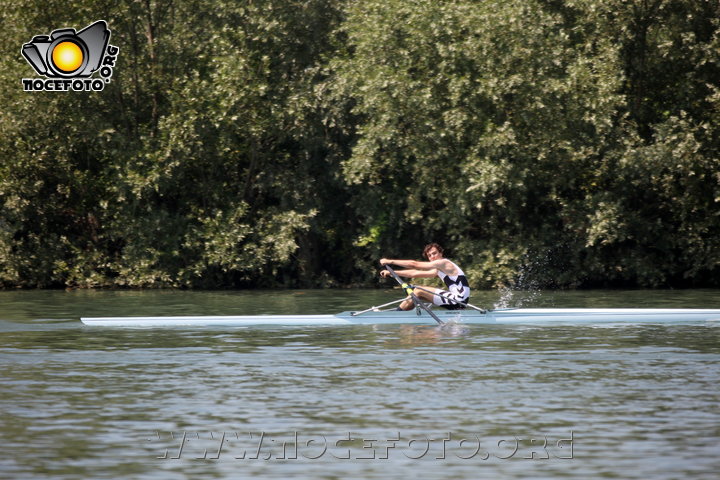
(500, 316)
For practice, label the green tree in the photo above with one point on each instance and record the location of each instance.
(650, 215)
(195, 166)
(466, 109)
(56, 154)
(538, 133)
(294, 142)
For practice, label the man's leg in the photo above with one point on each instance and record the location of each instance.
(427, 293)
(423, 294)
(407, 304)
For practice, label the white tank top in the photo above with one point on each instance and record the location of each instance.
(457, 284)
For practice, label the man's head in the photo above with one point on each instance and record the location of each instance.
(433, 251)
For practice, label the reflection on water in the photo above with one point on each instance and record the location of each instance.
(429, 334)
(364, 401)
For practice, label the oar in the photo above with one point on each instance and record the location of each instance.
(408, 289)
(354, 314)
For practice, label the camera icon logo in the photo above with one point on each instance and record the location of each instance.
(67, 59)
(67, 53)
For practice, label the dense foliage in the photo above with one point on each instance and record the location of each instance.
(294, 142)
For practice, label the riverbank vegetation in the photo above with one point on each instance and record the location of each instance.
(293, 143)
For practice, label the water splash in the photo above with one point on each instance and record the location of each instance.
(454, 328)
(526, 287)
(514, 298)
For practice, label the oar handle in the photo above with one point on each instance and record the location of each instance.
(404, 285)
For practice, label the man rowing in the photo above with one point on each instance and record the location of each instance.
(457, 294)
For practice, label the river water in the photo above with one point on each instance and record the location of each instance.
(365, 402)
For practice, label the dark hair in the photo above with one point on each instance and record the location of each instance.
(429, 247)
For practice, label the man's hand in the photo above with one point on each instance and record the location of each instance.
(384, 261)
(384, 273)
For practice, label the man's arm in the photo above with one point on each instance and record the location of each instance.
(443, 264)
(407, 264)
(412, 273)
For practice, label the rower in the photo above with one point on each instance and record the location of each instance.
(457, 294)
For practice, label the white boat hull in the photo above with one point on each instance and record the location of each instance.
(502, 316)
